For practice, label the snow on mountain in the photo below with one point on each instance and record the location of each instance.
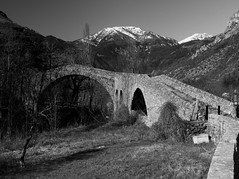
(198, 36)
(135, 33)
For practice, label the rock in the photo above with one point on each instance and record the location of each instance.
(233, 22)
(198, 139)
(233, 25)
(226, 96)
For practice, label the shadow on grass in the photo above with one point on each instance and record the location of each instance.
(12, 168)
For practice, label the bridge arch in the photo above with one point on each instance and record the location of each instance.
(106, 79)
(76, 98)
(49, 78)
(138, 102)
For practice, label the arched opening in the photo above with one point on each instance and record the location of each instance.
(116, 97)
(138, 102)
(75, 100)
(121, 97)
(237, 111)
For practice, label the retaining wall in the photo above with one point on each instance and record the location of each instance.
(225, 133)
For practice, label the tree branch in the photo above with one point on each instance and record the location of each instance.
(22, 161)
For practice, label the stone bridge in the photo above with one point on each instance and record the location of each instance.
(153, 92)
(126, 88)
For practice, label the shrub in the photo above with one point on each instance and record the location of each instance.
(169, 125)
(122, 114)
(122, 118)
(141, 132)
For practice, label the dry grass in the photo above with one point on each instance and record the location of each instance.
(152, 161)
(128, 151)
(170, 125)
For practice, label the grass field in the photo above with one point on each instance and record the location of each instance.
(110, 151)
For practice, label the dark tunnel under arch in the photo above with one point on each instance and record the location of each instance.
(51, 84)
(101, 106)
(138, 102)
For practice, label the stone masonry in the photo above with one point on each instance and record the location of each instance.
(156, 90)
(222, 164)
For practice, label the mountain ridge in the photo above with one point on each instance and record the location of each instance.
(4, 18)
(133, 32)
(196, 36)
(202, 63)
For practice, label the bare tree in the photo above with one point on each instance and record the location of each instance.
(86, 31)
(86, 34)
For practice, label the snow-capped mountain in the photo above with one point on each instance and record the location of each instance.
(114, 47)
(132, 50)
(135, 33)
(198, 36)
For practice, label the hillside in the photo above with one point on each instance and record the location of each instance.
(110, 49)
(202, 60)
(34, 50)
(114, 47)
(142, 51)
(212, 63)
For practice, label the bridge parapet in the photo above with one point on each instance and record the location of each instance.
(222, 164)
(207, 98)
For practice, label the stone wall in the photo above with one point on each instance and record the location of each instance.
(207, 98)
(41, 81)
(105, 78)
(222, 164)
(156, 90)
(156, 94)
(216, 127)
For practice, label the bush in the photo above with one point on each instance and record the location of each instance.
(169, 125)
(141, 132)
(122, 118)
(122, 114)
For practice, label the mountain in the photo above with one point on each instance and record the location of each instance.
(135, 33)
(233, 25)
(201, 60)
(4, 18)
(121, 49)
(198, 36)
(114, 47)
(24, 46)
(214, 65)
(142, 51)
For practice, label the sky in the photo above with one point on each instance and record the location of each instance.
(66, 19)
